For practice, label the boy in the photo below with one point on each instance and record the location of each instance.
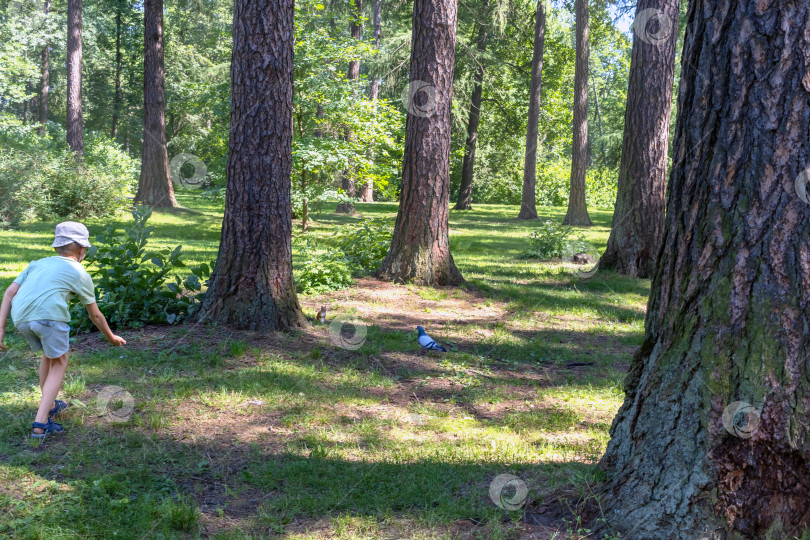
(38, 302)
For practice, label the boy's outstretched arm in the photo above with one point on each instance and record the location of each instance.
(98, 319)
(5, 308)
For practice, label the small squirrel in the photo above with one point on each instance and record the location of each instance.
(322, 315)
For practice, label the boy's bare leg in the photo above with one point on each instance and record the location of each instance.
(44, 366)
(53, 383)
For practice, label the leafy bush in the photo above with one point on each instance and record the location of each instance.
(553, 241)
(41, 178)
(323, 272)
(133, 285)
(365, 244)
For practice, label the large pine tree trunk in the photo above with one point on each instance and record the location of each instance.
(155, 185)
(577, 214)
(45, 79)
(75, 136)
(528, 201)
(117, 95)
(420, 248)
(464, 201)
(638, 219)
(728, 314)
(252, 285)
(347, 183)
(367, 190)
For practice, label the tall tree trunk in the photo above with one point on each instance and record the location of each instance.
(367, 190)
(528, 201)
(155, 185)
(420, 248)
(638, 219)
(45, 80)
(252, 285)
(464, 201)
(348, 184)
(728, 318)
(577, 214)
(26, 102)
(117, 96)
(75, 136)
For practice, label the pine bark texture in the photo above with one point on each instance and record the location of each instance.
(73, 121)
(528, 201)
(420, 248)
(252, 285)
(347, 184)
(155, 185)
(638, 219)
(577, 214)
(464, 201)
(45, 79)
(728, 313)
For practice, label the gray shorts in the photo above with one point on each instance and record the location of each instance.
(50, 337)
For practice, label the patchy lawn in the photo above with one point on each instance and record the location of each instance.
(244, 435)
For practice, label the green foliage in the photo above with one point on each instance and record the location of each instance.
(133, 285)
(41, 178)
(553, 241)
(322, 271)
(365, 244)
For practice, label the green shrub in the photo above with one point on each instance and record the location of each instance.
(553, 241)
(323, 272)
(365, 244)
(133, 285)
(41, 178)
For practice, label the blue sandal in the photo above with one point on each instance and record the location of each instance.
(50, 428)
(58, 407)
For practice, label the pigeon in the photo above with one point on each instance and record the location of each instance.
(427, 343)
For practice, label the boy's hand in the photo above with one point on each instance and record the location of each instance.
(2, 347)
(117, 341)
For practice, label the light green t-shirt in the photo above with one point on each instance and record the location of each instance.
(46, 287)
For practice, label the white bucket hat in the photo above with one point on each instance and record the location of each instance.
(71, 231)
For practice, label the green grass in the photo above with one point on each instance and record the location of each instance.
(243, 435)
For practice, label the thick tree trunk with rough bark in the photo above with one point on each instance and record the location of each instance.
(155, 185)
(577, 214)
(367, 190)
(252, 285)
(638, 219)
(117, 95)
(45, 79)
(347, 184)
(728, 313)
(464, 201)
(75, 135)
(528, 201)
(420, 248)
